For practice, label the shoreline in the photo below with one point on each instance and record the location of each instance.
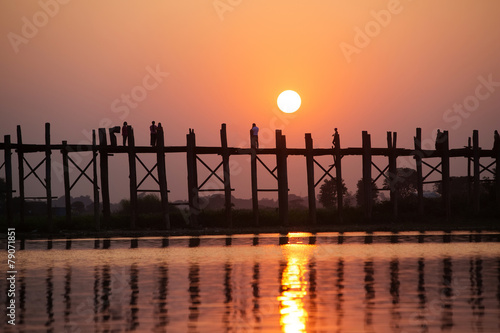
(113, 233)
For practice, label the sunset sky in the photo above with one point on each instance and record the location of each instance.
(358, 65)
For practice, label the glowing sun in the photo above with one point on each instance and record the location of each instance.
(289, 101)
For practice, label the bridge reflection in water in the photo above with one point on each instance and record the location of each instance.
(307, 284)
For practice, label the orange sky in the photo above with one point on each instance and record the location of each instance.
(71, 62)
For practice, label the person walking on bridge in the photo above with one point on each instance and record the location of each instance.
(153, 130)
(255, 135)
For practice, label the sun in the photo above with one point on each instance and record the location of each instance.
(289, 101)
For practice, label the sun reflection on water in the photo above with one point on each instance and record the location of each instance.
(293, 314)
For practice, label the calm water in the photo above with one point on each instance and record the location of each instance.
(300, 283)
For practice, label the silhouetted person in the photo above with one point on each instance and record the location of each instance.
(439, 140)
(159, 133)
(255, 135)
(153, 130)
(496, 144)
(335, 138)
(125, 133)
(334, 143)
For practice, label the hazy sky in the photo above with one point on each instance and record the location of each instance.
(358, 65)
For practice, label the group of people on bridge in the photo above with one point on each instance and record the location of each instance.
(154, 130)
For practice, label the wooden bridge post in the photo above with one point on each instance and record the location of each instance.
(338, 175)
(393, 173)
(253, 167)
(162, 178)
(311, 194)
(67, 185)
(20, 163)
(227, 176)
(103, 148)
(8, 179)
(48, 177)
(281, 163)
(194, 208)
(420, 182)
(132, 178)
(477, 185)
(445, 158)
(367, 176)
(496, 151)
(469, 172)
(97, 220)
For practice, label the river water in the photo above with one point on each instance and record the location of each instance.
(327, 282)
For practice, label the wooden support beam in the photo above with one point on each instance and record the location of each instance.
(445, 170)
(132, 178)
(281, 163)
(106, 205)
(338, 175)
(8, 179)
(311, 194)
(97, 218)
(367, 176)
(20, 165)
(192, 175)
(253, 167)
(420, 182)
(227, 176)
(67, 185)
(476, 164)
(162, 178)
(393, 173)
(48, 177)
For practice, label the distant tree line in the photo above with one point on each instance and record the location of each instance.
(405, 182)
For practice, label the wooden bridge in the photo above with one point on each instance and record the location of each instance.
(102, 151)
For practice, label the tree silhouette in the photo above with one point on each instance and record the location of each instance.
(78, 207)
(146, 204)
(328, 192)
(360, 192)
(405, 182)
